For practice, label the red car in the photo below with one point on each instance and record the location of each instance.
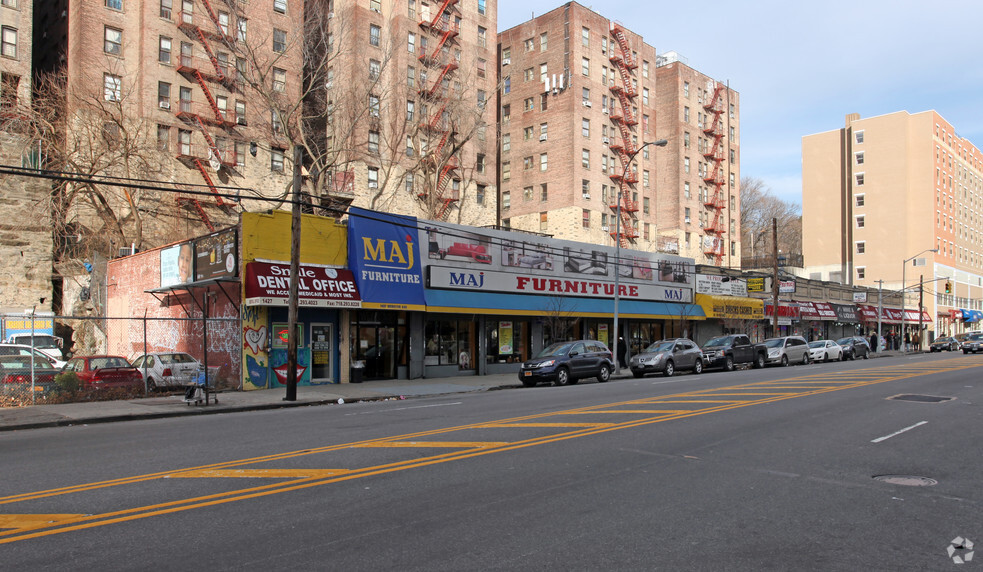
(98, 372)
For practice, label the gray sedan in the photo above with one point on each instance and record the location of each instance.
(667, 356)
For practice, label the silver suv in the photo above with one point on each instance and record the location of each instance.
(788, 349)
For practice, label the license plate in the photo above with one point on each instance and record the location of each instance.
(527, 373)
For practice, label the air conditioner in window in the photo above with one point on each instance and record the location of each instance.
(330, 15)
(373, 185)
(604, 228)
(240, 120)
(542, 137)
(605, 111)
(607, 141)
(587, 196)
(165, 104)
(587, 103)
(506, 61)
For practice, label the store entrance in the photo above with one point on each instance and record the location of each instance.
(376, 349)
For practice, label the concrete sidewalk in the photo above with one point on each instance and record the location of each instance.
(34, 416)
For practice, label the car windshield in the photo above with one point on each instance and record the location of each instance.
(775, 343)
(662, 346)
(22, 362)
(845, 341)
(557, 349)
(40, 341)
(943, 340)
(817, 344)
(716, 342)
(100, 363)
(176, 358)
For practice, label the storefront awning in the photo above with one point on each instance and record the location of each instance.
(494, 303)
(808, 311)
(868, 313)
(846, 313)
(971, 316)
(731, 307)
(268, 284)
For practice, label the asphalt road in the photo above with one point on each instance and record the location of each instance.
(752, 470)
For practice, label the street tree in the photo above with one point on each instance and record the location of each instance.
(758, 207)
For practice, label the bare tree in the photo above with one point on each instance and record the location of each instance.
(559, 319)
(758, 207)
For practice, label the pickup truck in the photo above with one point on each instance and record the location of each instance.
(727, 351)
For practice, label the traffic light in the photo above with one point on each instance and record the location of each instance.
(948, 287)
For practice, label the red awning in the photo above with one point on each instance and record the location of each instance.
(808, 311)
(826, 310)
(868, 313)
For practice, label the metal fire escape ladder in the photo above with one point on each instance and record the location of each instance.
(198, 208)
(714, 177)
(624, 120)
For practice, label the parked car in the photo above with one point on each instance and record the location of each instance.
(15, 375)
(788, 349)
(166, 369)
(973, 343)
(100, 372)
(565, 363)
(49, 345)
(667, 356)
(825, 350)
(854, 347)
(726, 351)
(946, 343)
(23, 350)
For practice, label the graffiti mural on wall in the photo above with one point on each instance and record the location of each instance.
(255, 347)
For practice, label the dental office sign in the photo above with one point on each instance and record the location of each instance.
(514, 283)
(268, 284)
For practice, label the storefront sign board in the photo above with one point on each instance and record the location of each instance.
(268, 284)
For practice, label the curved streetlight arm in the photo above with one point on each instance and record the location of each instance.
(904, 269)
(617, 247)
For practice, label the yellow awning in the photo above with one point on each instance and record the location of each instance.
(731, 307)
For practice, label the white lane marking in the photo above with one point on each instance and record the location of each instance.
(406, 408)
(896, 433)
(668, 381)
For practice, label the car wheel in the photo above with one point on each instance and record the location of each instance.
(965, 351)
(669, 369)
(604, 374)
(867, 354)
(759, 361)
(698, 367)
(562, 376)
(785, 360)
(826, 356)
(842, 356)
(806, 359)
(729, 363)
(529, 382)
(638, 373)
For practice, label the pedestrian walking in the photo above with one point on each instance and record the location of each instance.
(907, 341)
(916, 342)
(622, 352)
(873, 341)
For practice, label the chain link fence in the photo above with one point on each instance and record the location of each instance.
(214, 343)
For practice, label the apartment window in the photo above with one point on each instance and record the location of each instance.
(114, 4)
(410, 76)
(280, 6)
(241, 27)
(860, 179)
(113, 43)
(861, 247)
(645, 68)
(112, 87)
(645, 179)
(527, 74)
(528, 104)
(506, 170)
(543, 131)
(686, 217)
(586, 219)
(276, 160)
(410, 110)
(164, 55)
(506, 56)
(585, 37)
(375, 5)
(408, 182)
(585, 188)
(585, 66)
(859, 136)
(506, 199)
(859, 200)
(187, 11)
(481, 67)
(185, 96)
(240, 113)
(166, 7)
(411, 43)
(585, 127)
(481, 7)
(374, 109)
(375, 68)
(527, 193)
(375, 32)
(686, 89)
(861, 272)
(543, 221)
(373, 178)
(279, 79)
(223, 23)
(645, 96)
(163, 95)
(543, 42)
(184, 142)
(584, 158)
(373, 142)
(859, 157)
(686, 191)
(507, 84)
(860, 221)
(409, 145)
(163, 137)
(526, 163)
(543, 101)
(686, 114)
(482, 37)
(528, 44)
(279, 41)
(506, 142)
(543, 161)
(732, 135)
(480, 163)
(275, 122)
(686, 164)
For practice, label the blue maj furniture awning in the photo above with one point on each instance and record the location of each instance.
(970, 316)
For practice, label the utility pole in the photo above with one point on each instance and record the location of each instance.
(880, 308)
(921, 295)
(294, 286)
(774, 280)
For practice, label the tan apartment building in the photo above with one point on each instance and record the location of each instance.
(175, 91)
(578, 101)
(16, 22)
(879, 194)
(410, 107)
(699, 174)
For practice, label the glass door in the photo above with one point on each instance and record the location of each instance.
(322, 345)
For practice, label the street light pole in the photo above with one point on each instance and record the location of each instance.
(904, 268)
(617, 246)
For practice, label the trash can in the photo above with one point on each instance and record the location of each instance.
(356, 371)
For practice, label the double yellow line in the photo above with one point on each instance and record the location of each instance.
(655, 410)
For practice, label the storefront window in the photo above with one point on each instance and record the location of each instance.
(379, 340)
(506, 341)
(449, 342)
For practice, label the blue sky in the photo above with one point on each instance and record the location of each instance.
(801, 66)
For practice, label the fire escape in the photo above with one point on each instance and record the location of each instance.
(443, 31)
(213, 72)
(714, 201)
(625, 120)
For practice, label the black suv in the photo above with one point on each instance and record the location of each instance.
(564, 363)
(854, 347)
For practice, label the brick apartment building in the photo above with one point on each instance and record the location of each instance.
(882, 192)
(699, 173)
(410, 107)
